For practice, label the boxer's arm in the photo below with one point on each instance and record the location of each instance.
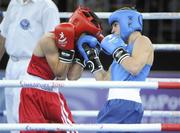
(75, 71)
(102, 75)
(141, 53)
(2, 46)
(51, 53)
(77, 66)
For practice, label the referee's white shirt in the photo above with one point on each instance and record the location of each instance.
(25, 23)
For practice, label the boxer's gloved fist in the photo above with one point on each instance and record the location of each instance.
(94, 62)
(79, 59)
(110, 43)
(113, 45)
(64, 36)
(91, 41)
(87, 47)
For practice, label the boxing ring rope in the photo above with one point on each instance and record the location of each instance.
(164, 79)
(48, 84)
(93, 113)
(149, 16)
(166, 47)
(105, 15)
(92, 127)
(147, 113)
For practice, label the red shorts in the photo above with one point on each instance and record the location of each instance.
(39, 106)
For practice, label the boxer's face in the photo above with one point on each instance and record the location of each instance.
(115, 28)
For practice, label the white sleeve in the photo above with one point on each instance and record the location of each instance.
(6, 20)
(50, 18)
(4, 26)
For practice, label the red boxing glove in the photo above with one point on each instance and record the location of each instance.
(64, 36)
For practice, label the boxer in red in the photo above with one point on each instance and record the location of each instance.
(55, 57)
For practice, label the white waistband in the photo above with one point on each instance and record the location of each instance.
(31, 77)
(126, 94)
(45, 88)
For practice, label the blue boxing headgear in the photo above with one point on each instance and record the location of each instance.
(129, 21)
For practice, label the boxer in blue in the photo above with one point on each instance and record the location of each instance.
(133, 56)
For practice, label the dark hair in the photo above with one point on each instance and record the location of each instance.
(128, 3)
(96, 21)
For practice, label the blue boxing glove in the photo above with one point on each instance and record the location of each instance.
(113, 45)
(87, 48)
(86, 40)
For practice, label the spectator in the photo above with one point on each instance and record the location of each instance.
(24, 23)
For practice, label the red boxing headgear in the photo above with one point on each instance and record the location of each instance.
(85, 21)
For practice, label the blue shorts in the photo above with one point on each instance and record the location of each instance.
(120, 111)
